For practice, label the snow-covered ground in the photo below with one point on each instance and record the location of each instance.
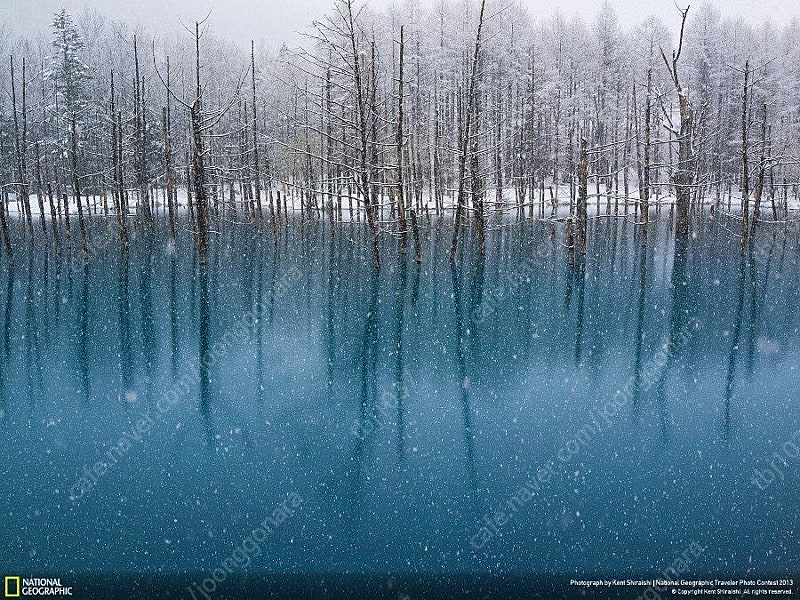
(596, 206)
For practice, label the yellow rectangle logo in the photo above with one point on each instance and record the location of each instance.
(12, 587)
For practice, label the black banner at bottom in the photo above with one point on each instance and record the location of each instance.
(205, 586)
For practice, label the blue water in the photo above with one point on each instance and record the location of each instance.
(399, 411)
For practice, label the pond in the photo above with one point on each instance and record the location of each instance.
(288, 409)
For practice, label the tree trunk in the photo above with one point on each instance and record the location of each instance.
(583, 194)
(465, 136)
(20, 142)
(76, 187)
(256, 161)
(684, 174)
(745, 162)
(198, 167)
(364, 128)
(169, 163)
(401, 207)
(140, 153)
(645, 195)
(762, 169)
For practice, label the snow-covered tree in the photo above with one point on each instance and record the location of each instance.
(67, 71)
(68, 74)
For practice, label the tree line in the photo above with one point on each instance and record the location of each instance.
(465, 110)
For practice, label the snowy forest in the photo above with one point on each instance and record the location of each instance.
(396, 116)
(444, 300)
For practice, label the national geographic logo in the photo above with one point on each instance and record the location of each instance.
(16, 586)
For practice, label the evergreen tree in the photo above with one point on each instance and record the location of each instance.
(68, 74)
(67, 71)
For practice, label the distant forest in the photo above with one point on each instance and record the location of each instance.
(462, 108)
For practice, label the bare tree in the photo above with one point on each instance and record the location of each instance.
(464, 135)
(401, 208)
(684, 177)
(21, 143)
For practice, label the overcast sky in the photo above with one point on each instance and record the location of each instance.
(279, 21)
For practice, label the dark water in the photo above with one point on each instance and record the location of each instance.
(399, 410)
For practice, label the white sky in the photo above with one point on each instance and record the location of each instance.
(278, 21)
